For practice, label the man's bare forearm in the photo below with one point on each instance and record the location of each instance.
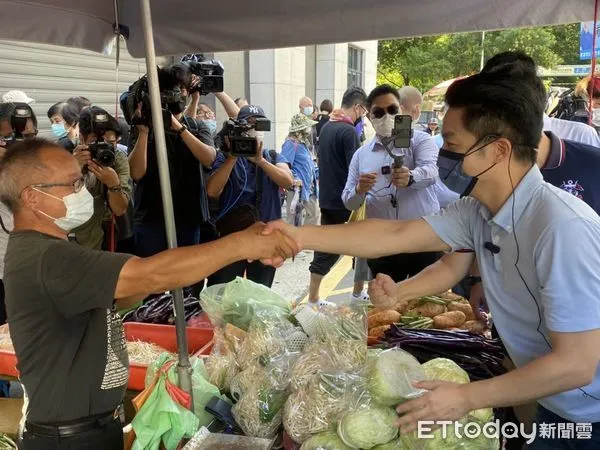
(203, 153)
(372, 238)
(229, 105)
(543, 377)
(178, 267)
(138, 158)
(442, 275)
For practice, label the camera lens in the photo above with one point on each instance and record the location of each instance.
(106, 158)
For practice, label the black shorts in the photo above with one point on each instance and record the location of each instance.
(323, 262)
(404, 265)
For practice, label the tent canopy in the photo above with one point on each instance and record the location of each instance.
(183, 26)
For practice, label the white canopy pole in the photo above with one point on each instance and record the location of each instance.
(184, 367)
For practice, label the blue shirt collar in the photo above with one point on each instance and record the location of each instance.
(521, 197)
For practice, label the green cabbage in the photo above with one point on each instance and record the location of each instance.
(445, 370)
(368, 427)
(328, 440)
(391, 375)
(450, 442)
(393, 445)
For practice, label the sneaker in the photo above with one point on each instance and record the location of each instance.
(362, 297)
(325, 304)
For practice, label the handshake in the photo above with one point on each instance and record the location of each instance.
(270, 243)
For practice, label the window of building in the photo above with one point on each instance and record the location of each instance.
(356, 66)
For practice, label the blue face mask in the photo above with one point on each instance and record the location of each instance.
(58, 129)
(211, 124)
(450, 166)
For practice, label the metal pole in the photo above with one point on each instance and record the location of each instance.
(482, 63)
(184, 368)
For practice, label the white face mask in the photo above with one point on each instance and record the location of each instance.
(596, 117)
(383, 126)
(80, 209)
(256, 134)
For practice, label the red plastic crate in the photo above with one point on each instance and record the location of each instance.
(8, 363)
(164, 336)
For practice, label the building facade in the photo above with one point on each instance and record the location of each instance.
(277, 79)
(274, 79)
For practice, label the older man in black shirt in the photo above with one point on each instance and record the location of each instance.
(61, 298)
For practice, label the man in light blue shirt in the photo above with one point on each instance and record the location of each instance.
(539, 252)
(403, 193)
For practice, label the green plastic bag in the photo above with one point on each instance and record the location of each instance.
(239, 301)
(161, 419)
(202, 390)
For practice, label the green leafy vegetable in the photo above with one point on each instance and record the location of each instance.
(391, 375)
(328, 440)
(445, 370)
(368, 427)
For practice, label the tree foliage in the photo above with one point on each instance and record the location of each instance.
(424, 62)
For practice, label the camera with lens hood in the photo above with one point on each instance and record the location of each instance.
(101, 151)
(241, 144)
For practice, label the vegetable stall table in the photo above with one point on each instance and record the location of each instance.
(138, 335)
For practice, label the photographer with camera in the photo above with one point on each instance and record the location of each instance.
(245, 179)
(189, 147)
(106, 174)
(204, 113)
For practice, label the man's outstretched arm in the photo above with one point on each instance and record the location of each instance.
(366, 239)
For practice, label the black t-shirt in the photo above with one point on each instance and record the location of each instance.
(189, 195)
(337, 143)
(574, 167)
(69, 341)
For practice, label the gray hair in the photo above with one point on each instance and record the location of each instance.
(20, 168)
(410, 97)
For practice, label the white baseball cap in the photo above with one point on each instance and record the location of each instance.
(17, 97)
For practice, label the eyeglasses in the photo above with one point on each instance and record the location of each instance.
(392, 110)
(77, 185)
(366, 111)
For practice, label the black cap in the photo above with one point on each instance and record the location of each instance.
(251, 111)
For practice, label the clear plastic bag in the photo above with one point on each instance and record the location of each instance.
(259, 410)
(221, 365)
(390, 377)
(239, 301)
(269, 337)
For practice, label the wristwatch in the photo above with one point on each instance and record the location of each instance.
(411, 180)
(118, 188)
(473, 280)
(182, 130)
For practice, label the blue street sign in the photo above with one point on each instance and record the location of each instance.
(586, 36)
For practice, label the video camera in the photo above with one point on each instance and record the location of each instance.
(101, 151)
(18, 122)
(210, 72)
(242, 145)
(138, 93)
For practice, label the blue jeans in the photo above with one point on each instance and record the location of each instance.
(572, 442)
